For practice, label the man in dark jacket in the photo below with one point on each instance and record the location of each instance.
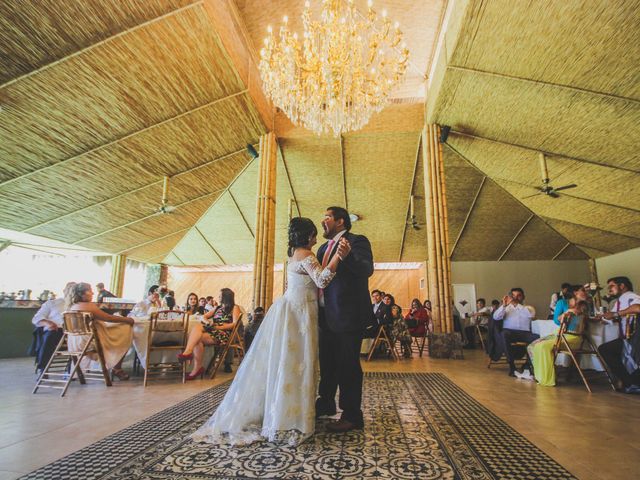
(345, 309)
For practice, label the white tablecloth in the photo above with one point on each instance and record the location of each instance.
(598, 332)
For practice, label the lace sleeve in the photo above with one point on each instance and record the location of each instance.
(320, 277)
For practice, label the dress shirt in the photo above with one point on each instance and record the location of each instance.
(516, 317)
(376, 306)
(335, 239)
(50, 310)
(143, 308)
(484, 319)
(623, 302)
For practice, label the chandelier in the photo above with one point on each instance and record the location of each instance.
(339, 73)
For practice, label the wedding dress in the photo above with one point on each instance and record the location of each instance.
(273, 394)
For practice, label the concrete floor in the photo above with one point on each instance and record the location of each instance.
(592, 435)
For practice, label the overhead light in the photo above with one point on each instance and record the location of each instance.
(353, 217)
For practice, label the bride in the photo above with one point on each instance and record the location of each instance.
(273, 394)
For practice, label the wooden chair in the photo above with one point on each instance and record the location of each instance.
(174, 330)
(479, 334)
(235, 341)
(503, 358)
(419, 342)
(381, 338)
(64, 364)
(586, 347)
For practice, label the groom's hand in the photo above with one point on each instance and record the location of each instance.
(344, 248)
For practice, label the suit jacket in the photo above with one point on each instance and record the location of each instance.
(346, 299)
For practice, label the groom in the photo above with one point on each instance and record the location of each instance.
(344, 310)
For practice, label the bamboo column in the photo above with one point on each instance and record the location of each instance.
(265, 223)
(438, 263)
(164, 274)
(118, 264)
(593, 273)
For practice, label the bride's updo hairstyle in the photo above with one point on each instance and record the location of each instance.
(301, 230)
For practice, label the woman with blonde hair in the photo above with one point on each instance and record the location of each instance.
(115, 333)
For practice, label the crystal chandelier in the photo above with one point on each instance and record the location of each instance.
(339, 73)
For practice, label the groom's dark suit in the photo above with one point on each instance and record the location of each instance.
(346, 311)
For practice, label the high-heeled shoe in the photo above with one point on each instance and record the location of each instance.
(196, 374)
(182, 357)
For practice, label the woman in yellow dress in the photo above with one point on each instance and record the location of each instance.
(575, 311)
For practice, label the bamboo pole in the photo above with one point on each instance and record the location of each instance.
(431, 252)
(593, 273)
(265, 223)
(118, 265)
(445, 220)
(438, 232)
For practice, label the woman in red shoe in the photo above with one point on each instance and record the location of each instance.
(214, 329)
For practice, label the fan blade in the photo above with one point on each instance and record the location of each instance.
(553, 194)
(565, 187)
(533, 195)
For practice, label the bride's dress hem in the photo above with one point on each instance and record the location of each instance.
(252, 434)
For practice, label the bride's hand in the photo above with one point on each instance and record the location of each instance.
(344, 248)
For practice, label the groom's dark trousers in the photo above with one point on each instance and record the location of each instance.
(346, 311)
(340, 367)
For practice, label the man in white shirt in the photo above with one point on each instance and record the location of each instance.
(479, 317)
(622, 289)
(147, 306)
(516, 324)
(49, 326)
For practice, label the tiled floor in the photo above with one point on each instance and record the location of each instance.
(593, 436)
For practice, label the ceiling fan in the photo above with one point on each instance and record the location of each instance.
(164, 206)
(547, 188)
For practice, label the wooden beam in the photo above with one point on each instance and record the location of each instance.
(466, 219)
(344, 173)
(229, 29)
(179, 259)
(413, 181)
(157, 182)
(100, 43)
(210, 245)
(149, 242)
(546, 152)
(606, 232)
(516, 236)
(38, 250)
(120, 139)
(571, 88)
(162, 255)
(119, 227)
(233, 199)
(286, 171)
(567, 245)
(5, 244)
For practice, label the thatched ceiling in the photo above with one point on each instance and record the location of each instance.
(517, 78)
(100, 99)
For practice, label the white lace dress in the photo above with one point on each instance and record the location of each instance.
(273, 394)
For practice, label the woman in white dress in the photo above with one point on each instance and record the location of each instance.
(273, 394)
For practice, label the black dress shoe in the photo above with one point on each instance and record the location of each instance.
(325, 409)
(342, 426)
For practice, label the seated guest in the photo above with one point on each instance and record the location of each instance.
(380, 311)
(427, 305)
(215, 329)
(49, 325)
(516, 324)
(192, 307)
(102, 293)
(481, 318)
(495, 304)
(255, 320)
(211, 304)
(115, 339)
(399, 331)
(418, 319)
(170, 301)
(572, 307)
(621, 289)
(564, 293)
(202, 304)
(385, 318)
(150, 304)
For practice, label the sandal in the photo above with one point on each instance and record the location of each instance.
(120, 373)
